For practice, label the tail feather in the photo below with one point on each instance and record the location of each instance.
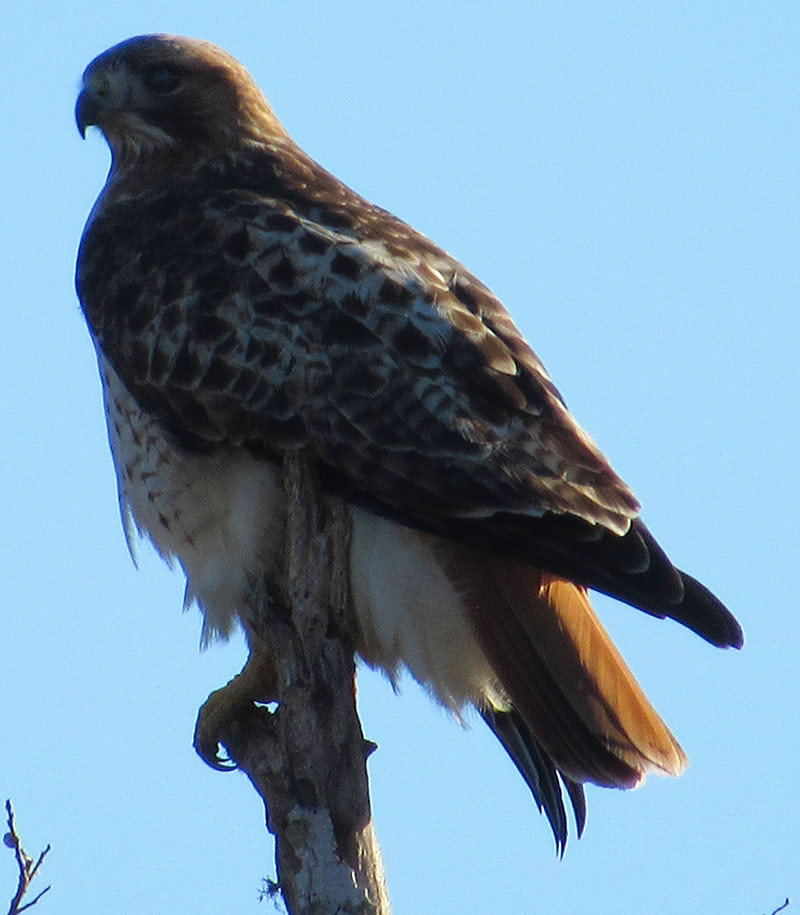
(587, 669)
(541, 776)
(575, 710)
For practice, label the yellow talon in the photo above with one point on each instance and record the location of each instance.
(255, 683)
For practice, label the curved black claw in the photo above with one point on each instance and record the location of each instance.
(213, 714)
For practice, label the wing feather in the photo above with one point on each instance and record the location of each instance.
(374, 364)
(312, 319)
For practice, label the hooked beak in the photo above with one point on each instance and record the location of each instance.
(87, 110)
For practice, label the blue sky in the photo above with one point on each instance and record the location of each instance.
(625, 177)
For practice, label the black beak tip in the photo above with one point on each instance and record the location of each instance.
(85, 112)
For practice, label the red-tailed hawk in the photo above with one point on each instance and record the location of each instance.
(244, 303)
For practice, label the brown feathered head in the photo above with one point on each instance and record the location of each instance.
(159, 93)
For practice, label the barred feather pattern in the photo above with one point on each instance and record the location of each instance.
(245, 303)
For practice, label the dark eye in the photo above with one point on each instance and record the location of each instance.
(162, 79)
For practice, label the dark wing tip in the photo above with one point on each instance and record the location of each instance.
(539, 773)
(706, 615)
(664, 591)
(578, 799)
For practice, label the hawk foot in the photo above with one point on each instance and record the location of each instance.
(253, 684)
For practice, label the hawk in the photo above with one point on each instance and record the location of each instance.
(245, 304)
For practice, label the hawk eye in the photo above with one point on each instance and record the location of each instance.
(162, 79)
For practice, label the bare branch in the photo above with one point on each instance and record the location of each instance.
(28, 868)
(307, 758)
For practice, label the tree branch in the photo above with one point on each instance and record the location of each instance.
(307, 758)
(28, 868)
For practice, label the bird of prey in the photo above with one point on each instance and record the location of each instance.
(244, 304)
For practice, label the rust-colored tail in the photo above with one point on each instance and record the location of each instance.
(567, 684)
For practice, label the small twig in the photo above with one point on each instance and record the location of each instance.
(271, 890)
(28, 868)
(782, 907)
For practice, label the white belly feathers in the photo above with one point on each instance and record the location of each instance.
(214, 512)
(222, 516)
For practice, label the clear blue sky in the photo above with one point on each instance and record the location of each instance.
(626, 179)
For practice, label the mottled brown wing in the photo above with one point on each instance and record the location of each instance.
(279, 324)
(236, 318)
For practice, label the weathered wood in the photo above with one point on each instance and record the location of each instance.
(307, 757)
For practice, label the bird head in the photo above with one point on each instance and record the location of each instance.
(156, 93)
